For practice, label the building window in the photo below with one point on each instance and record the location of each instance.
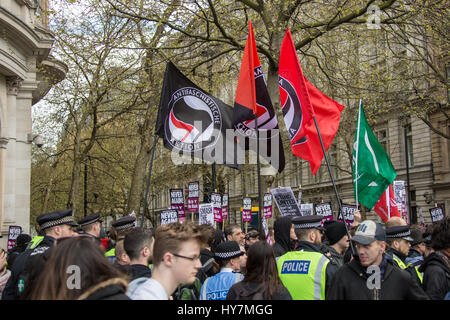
(409, 144)
(382, 137)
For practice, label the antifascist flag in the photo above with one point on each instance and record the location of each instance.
(301, 102)
(373, 171)
(252, 98)
(382, 208)
(192, 122)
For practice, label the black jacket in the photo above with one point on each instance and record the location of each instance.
(112, 289)
(138, 271)
(350, 283)
(282, 231)
(436, 277)
(255, 291)
(27, 267)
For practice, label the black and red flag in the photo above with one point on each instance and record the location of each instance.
(252, 98)
(192, 122)
(301, 102)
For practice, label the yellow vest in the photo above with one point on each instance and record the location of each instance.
(111, 253)
(303, 273)
(403, 266)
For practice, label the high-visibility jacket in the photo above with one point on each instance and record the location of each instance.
(303, 273)
(35, 242)
(217, 286)
(404, 266)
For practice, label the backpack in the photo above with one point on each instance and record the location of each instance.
(192, 291)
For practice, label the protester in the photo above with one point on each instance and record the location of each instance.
(191, 291)
(22, 242)
(234, 232)
(29, 264)
(271, 235)
(337, 241)
(395, 222)
(122, 260)
(4, 272)
(261, 280)
(243, 259)
(176, 260)
(436, 267)
(306, 272)
(138, 245)
(91, 225)
(216, 287)
(97, 279)
(418, 248)
(284, 234)
(250, 238)
(351, 281)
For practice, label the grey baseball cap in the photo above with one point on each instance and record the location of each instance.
(369, 231)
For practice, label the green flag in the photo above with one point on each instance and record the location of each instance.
(372, 169)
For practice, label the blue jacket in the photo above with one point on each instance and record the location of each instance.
(217, 286)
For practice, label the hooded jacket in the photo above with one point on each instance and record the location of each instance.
(282, 231)
(436, 278)
(111, 289)
(351, 283)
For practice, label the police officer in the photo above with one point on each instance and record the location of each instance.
(120, 228)
(54, 225)
(91, 225)
(399, 240)
(307, 272)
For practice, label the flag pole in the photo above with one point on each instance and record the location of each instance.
(258, 170)
(334, 185)
(155, 139)
(357, 149)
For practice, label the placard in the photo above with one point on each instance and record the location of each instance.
(205, 214)
(225, 206)
(400, 197)
(324, 210)
(437, 214)
(177, 201)
(307, 209)
(216, 202)
(247, 210)
(349, 213)
(286, 202)
(169, 216)
(267, 206)
(193, 196)
(266, 231)
(13, 233)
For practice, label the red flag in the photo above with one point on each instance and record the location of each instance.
(381, 207)
(252, 98)
(301, 102)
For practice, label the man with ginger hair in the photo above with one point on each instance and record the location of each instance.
(176, 260)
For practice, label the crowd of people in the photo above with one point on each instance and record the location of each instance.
(306, 259)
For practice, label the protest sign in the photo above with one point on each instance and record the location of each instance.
(205, 214)
(13, 233)
(216, 202)
(225, 206)
(177, 201)
(193, 197)
(349, 213)
(247, 210)
(324, 210)
(307, 209)
(286, 202)
(169, 216)
(437, 214)
(267, 210)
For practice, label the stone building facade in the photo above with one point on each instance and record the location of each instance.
(27, 72)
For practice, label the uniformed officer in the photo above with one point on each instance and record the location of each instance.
(54, 225)
(91, 225)
(399, 240)
(120, 228)
(306, 272)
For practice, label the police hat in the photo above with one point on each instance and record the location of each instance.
(124, 222)
(89, 219)
(399, 232)
(307, 222)
(417, 236)
(228, 250)
(56, 218)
